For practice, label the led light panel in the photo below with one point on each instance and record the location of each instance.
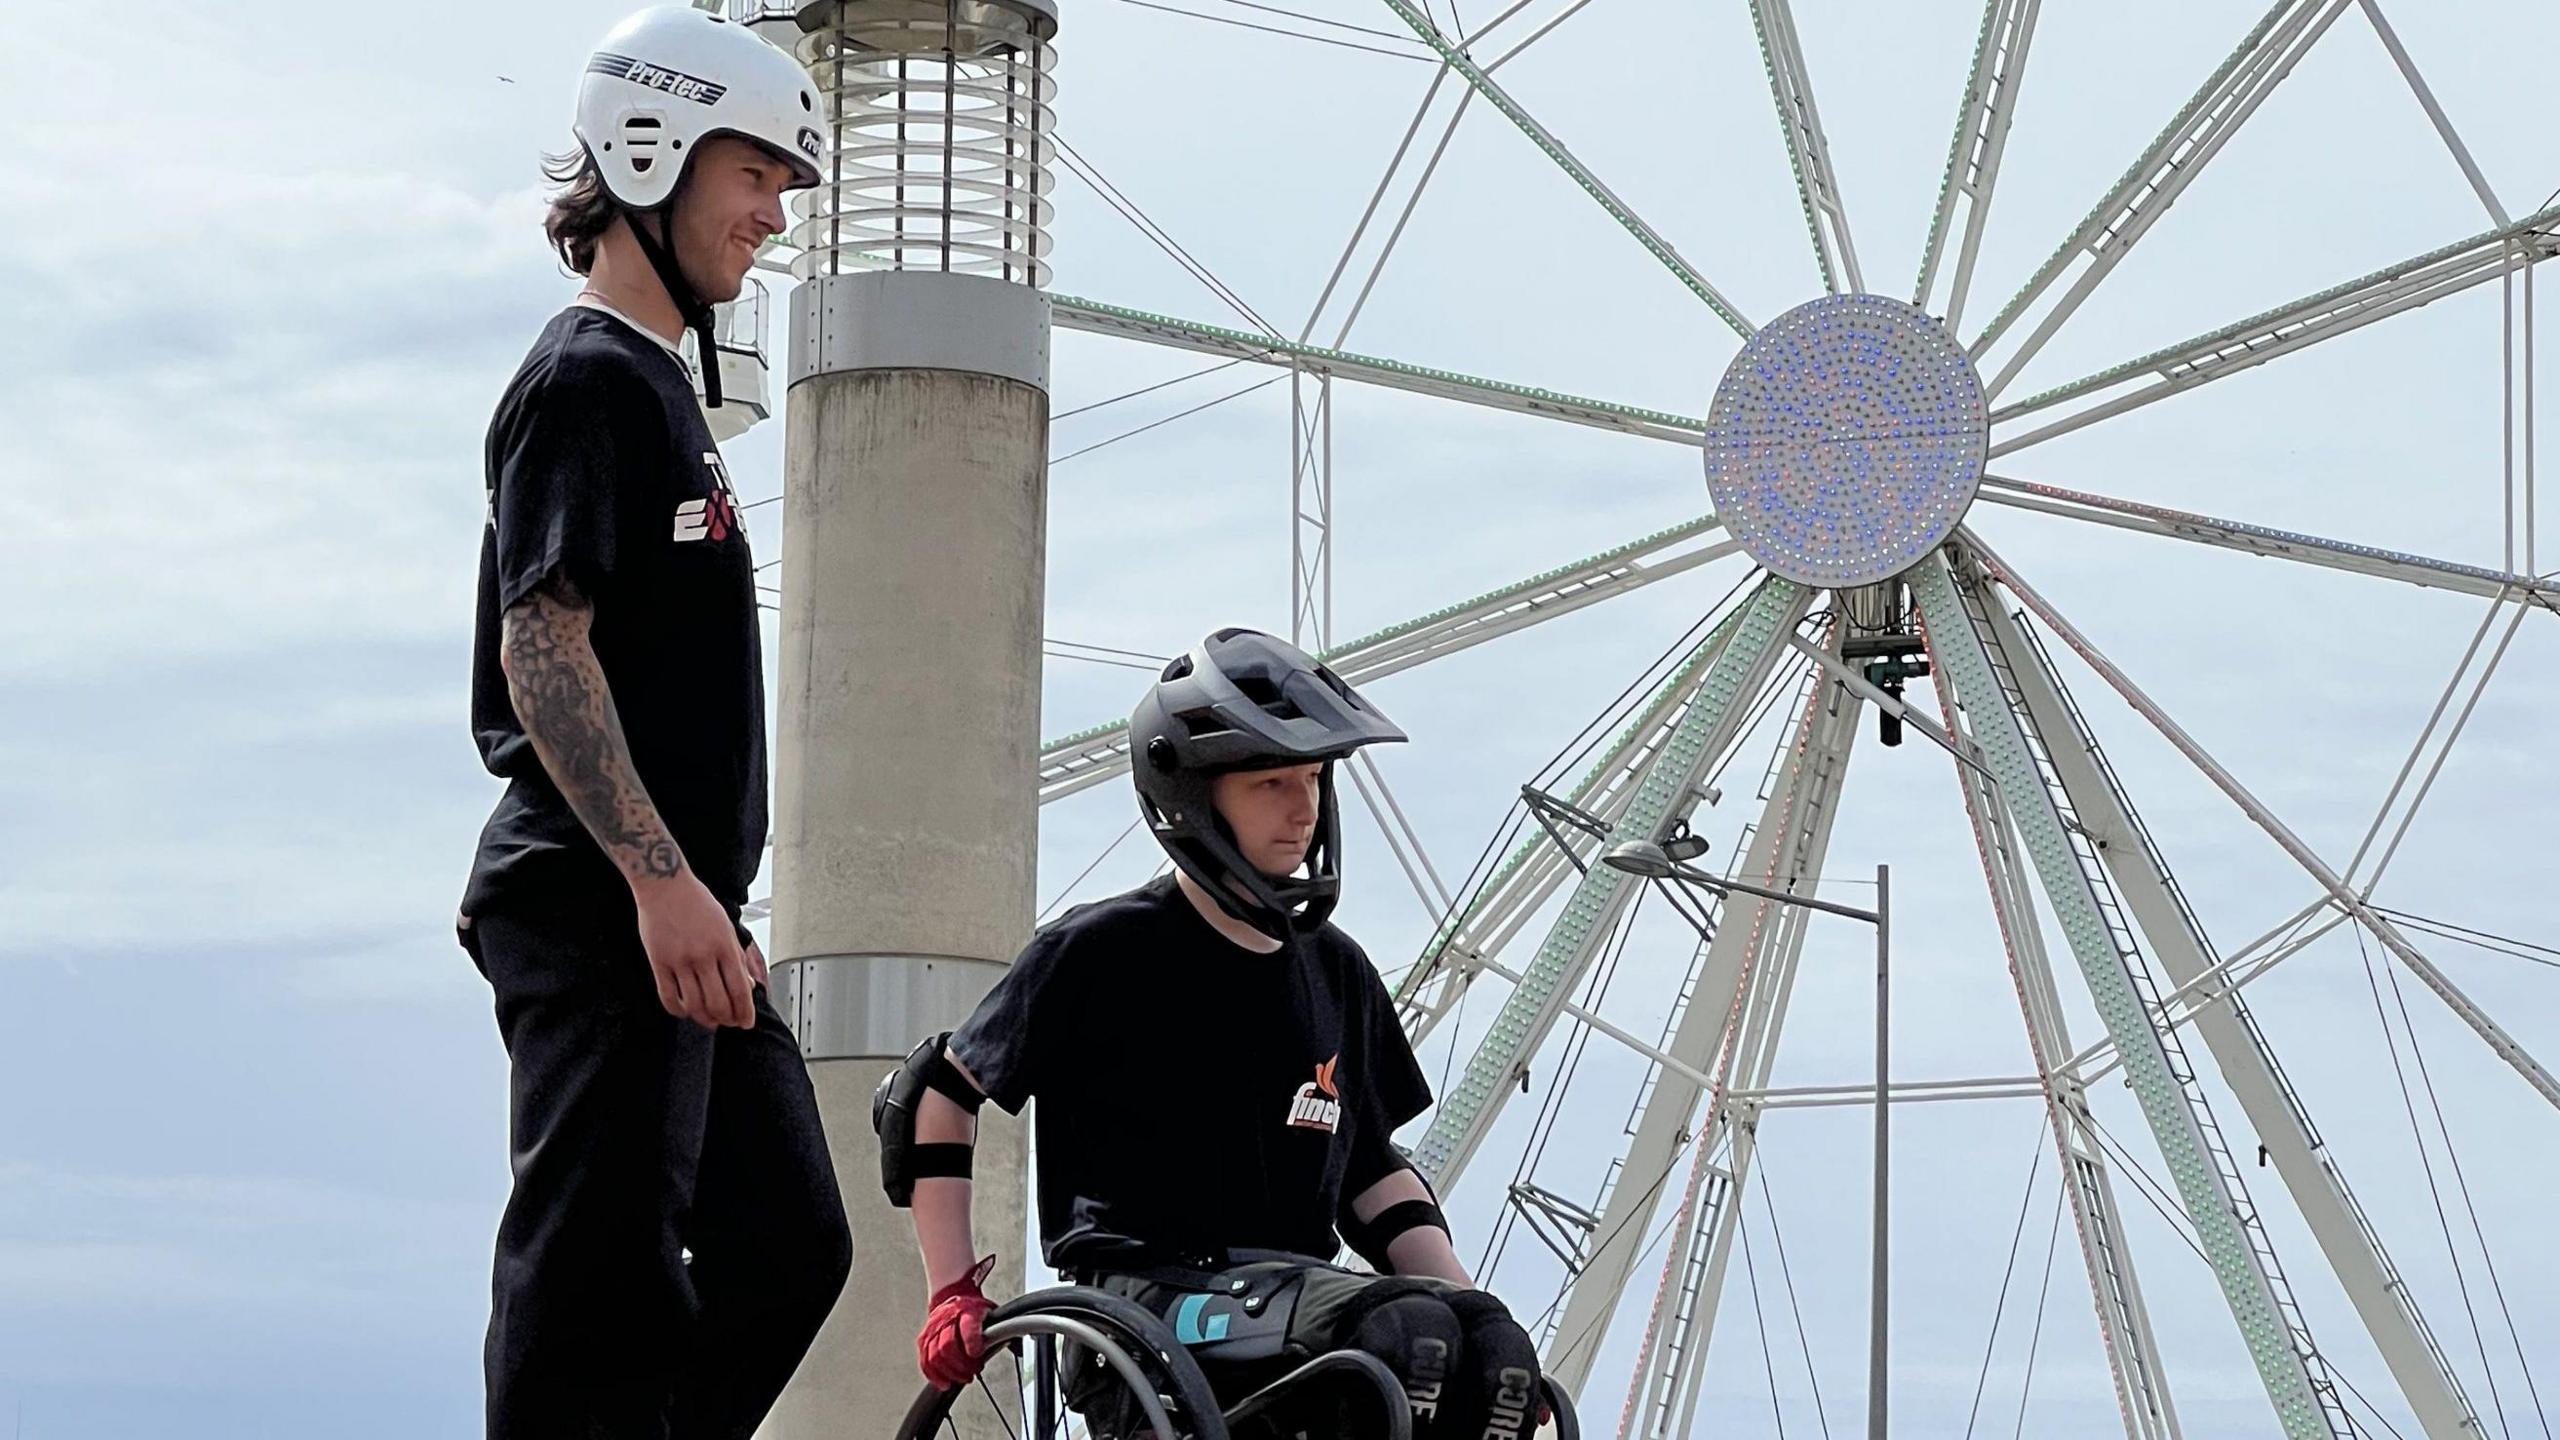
(1846, 440)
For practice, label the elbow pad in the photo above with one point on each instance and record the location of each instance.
(1370, 1239)
(893, 1118)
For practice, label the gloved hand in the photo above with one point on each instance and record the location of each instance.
(1506, 1391)
(953, 1343)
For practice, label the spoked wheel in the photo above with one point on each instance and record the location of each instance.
(1115, 1339)
(1393, 1411)
(1393, 1406)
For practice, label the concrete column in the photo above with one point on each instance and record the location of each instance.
(905, 832)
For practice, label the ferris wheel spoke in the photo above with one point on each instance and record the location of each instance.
(1817, 185)
(2420, 570)
(1077, 762)
(1094, 317)
(1960, 620)
(1431, 167)
(1554, 149)
(2124, 1324)
(2201, 127)
(1497, 909)
(2435, 112)
(1734, 1006)
(1669, 788)
(2239, 1048)
(1973, 156)
(2305, 322)
(2444, 750)
(1402, 839)
(2379, 925)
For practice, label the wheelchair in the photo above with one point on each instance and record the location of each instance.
(1116, 1343)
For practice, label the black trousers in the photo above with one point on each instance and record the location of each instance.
(674, 1238)
(1261, 1314)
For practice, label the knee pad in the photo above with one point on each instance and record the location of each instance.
(1412, 1329)
(1495, 1397)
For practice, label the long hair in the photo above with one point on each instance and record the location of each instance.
(581, 209)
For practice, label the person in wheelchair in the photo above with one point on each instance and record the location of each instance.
(1219, 1071)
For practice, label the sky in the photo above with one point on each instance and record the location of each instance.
(275, 264)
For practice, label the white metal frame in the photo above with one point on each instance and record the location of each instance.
(2239, 1048)
(2124, 1325)
(2206, 1177)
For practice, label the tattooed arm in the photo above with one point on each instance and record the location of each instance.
(567, 712)
(561, 698)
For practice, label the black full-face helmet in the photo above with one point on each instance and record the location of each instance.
(1243, 700)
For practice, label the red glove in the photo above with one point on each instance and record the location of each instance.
(953, 1344)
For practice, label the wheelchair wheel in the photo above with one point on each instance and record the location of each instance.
(1367, 1373)
(1393, 1406)
(1568, 1424)
(1120, 1343)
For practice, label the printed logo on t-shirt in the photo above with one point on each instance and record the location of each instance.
(1318, 1105)
(714, 517)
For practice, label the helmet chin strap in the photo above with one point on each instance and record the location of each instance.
(690, 306)
(1249, 895)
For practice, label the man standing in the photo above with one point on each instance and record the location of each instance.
(674, 1237)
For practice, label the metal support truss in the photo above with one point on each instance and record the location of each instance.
(1310, 513)
(2435, 113)
(1791, 86)
(1973, 157)
(2335, 311)
(2503, 1045)
(1088, 757)
(1723, 1017)
(2201, 127)
(2207, 1176)
(1484, 84)
(2179, 1007)
(2516, 415)
(1495, 912)
(2094, 794)
(1692, 1291)
(2124, 1324)
(1669, 787)
(2420, 570)
(1070, 313)
(1900, 1092)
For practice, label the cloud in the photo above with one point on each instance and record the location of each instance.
(211, 1271)
(280, 440)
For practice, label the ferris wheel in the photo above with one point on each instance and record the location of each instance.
(1848, 451)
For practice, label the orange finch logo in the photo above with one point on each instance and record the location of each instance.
(1318, 1105)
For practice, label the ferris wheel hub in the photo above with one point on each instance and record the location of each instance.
(1847, 440)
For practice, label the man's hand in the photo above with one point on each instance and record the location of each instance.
(702, 974)
(952, 1347)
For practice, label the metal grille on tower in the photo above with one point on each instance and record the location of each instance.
(938, 156)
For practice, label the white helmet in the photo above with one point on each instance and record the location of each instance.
(670, 77)
(658, 85)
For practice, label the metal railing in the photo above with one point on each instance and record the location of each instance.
(738, 327)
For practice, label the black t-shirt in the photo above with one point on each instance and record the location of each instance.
(1194, 1096)
(599, 464)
